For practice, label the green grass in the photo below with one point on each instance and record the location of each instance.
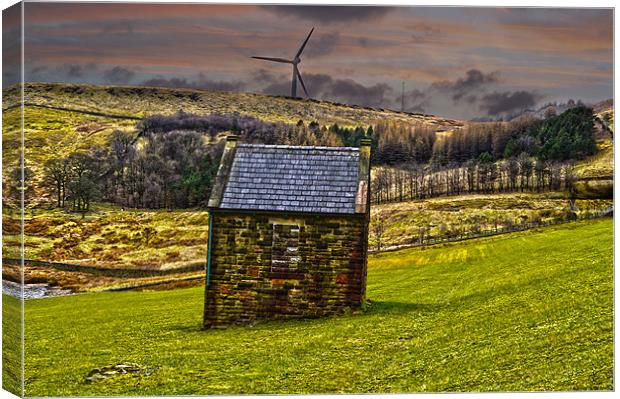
(11, 345)
(522, 312)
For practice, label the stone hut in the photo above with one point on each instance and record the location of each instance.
(288, 233)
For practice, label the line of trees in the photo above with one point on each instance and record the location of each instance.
(516, 174)
(171, 161)
(557, 138)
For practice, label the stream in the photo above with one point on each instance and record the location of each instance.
(33, 291)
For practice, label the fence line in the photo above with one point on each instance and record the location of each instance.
(607, 212)
(153, 284)
(108, 271)
(198, 266)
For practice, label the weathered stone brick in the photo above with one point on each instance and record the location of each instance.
(314, 272)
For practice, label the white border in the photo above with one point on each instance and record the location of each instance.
(481, 3)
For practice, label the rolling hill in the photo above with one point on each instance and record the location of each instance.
(530, 311)
(63, 118)
(139, 101)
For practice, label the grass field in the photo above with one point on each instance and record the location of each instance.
(526, 311)
(112, 237)
(11, 344)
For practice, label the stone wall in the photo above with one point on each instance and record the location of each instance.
(274, 267)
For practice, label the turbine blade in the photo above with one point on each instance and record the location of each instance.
(294, 83)
(301, 81)
(301, 49)
(274, 59)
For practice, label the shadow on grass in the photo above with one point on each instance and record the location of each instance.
(374, 308)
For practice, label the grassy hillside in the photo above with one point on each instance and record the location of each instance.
(450, 216)
(113, 237)
(11, 345)
(602, 163)
(58, 119)
(142, 101)
(529, 311)
(48, 133)
(53, 125)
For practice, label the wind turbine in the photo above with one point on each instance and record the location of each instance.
(296, 60)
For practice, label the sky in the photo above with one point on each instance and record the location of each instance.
(458, 62)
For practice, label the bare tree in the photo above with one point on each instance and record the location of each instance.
(57, 173)
(378, 226)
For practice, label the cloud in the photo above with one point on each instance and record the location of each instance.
(363, 41)
(331, 14)
(502, 102)
(118, 74)
(200, 82)
(67, 72)
(264, 77)
(464, 88)
(415, 101)
(77, 70)
(280, 85)
(122, 27)
(322, 86)
(424, 33)
(323, 45)
(348, 90)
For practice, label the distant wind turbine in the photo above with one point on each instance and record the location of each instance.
(296, 60)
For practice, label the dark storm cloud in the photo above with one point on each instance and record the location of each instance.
(322, 86)
(263, 76)
(473, 81)
(415, 101)
(502, 102)
(323, 45)
(331, 14)
(470, 99)
(68, 72)
(200, 82)
(77, 70)
(118, 74)
(280, 85)
(348, 90)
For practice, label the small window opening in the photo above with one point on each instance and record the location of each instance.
(285, 247)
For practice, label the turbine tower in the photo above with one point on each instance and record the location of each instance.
(296, 60)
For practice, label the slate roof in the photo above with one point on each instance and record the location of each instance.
(293, 178)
